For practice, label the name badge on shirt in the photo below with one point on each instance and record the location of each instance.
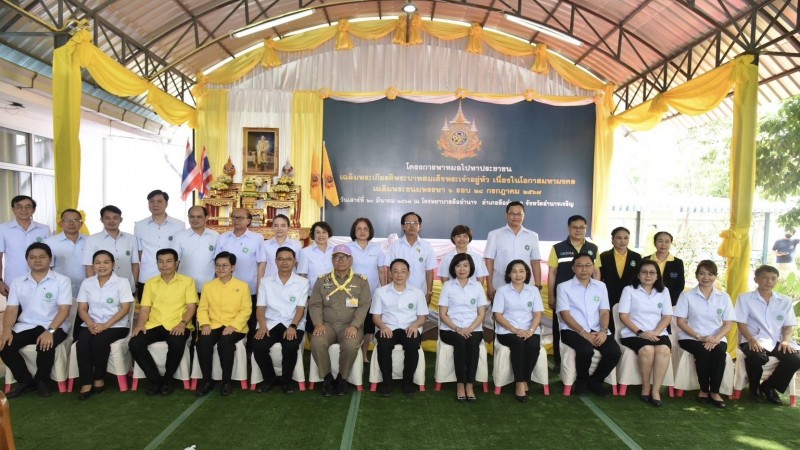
(351, 302)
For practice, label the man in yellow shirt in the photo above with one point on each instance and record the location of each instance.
(222, 316)
(168, 304)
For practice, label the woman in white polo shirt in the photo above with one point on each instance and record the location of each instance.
(462, 307)
(104, 305)
(518, 308)
(705, 315)
(368, 261)
(398, 310)
(645, 310)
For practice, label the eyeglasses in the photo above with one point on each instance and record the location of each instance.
(411, 224)
(71, 221)
(584, 266)
(239, 217)
(577, 228)
(518, 214)
(223, 266)
(340, 257)
(23, 207)
(651, 273)
(284, 259)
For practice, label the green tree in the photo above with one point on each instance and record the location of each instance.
(778, 159)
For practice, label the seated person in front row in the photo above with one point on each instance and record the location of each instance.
(44, 297)
(583, 307)
(168, 304)
(766, 320)
(398, 311)
(645, 310)
(222, 317)
(338, 305)
(280, 312)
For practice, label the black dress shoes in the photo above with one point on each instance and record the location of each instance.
(204, 389)
(773, 396)
(227, 389)
(21, 389)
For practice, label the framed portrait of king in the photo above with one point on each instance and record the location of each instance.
(260, 155)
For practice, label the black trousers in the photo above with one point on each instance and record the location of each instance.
(466, 353)
(226, 347)
(93, 350)
(556, 340)
(410, 347)
(175, 348)
(251, 323)
(710, 365)
(44, 359)
(788, 364)
(584, 351)
(524, 354)
(288, 353)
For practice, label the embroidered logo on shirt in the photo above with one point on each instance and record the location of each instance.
(590, 252)
(779, 317)
(128, 253)
(211, 248)
(48, 297)
(473, 301)
(673, 274)
(527, 247)
(109, 300)
(245, 250)
(410, 306)
(530, 304)
(421, 259)
(293, 299)
(170, 238)
(597, 298)
(660, 305)
(719, 311)
(38, 239)
(633, 263)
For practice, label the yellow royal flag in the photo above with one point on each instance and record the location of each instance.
(316, 178)
(327, 175)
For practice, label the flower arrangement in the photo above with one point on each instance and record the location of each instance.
(280, 188)
(223, 182)
(285, 181)
(254, 181)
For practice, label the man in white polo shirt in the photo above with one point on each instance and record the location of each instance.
(766, 320)
(154, 233)
(67, 248)
(508, 243)
(121, 244)
(398, 310)
(417, 252)
(583, 306)
(280, 311)
(15, 237)
(38, 306)
(196, 247)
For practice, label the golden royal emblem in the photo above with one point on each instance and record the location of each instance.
(459, 137)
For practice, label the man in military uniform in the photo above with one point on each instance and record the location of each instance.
(339, 303)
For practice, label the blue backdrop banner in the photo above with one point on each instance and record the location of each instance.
(459, 163)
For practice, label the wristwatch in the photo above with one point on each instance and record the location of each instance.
(639, 332)
(51, 330)
(293, 325)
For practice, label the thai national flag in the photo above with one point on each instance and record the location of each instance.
(192, 178)
(206, 175)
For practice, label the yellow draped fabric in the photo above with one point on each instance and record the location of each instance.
(603, 155)
(212, 130)
(113, 77)
(306, 140)
(66, 125)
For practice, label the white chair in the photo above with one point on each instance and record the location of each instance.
(159, 352)
(569, 373)
(356, 377)
(276, 356)
(398, 358)
(239, 372)
(686, 373)
(628, 366)
(120, 361)
(445, 371)
(57, 374)
(502, 373)
(740, 377)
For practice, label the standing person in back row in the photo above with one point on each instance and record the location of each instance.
(152, 234)
(619, 266)
(560, 270)
(417, 252)
(672, 268)
(509, 243)
(15, 237)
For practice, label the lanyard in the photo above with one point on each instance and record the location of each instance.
(341, 287)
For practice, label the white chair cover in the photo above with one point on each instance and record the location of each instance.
(276, 356)
(502, 374)
(239, 372)
(398, 357)
(628, 367)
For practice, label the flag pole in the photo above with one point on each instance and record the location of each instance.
(322, 178)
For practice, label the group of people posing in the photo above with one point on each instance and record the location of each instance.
(215, 290)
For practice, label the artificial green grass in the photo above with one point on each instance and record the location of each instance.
(430, 419)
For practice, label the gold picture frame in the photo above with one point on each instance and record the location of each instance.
(260, 151)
